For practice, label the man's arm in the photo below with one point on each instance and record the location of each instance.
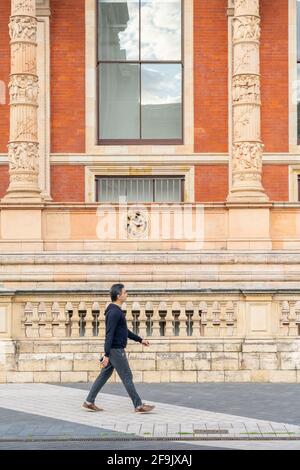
(111, 324)
(134, 337)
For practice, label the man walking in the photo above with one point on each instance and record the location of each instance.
(115, 355)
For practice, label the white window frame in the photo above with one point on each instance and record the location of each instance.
(91, 92)
(91, 171)
(293, 85)
(294, 172)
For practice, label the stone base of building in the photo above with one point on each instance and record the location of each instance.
(7, 358)
(167, 360)
(209, 316)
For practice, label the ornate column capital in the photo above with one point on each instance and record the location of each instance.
(247, 147)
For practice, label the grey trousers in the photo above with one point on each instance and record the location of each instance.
(118, 361)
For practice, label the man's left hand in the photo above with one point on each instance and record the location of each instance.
(145, 342)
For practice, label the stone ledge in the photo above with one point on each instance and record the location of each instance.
(161, 257)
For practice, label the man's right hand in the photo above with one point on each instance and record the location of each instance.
(105, 361)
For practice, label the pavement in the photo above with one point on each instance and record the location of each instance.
(186, 417)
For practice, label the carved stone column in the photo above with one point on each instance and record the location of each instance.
(247, 148)
(23, 148)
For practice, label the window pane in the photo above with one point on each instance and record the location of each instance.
(104, 193)
(139, 189)
(147, 190)
(298, 72)
(298, 30)
(161, 30)
(175, 193)
(298, 102)
(122, 191)
(118, 30)
(119, 101)
(161, 101)
(131, 190)
(111, 190)
(168, 190)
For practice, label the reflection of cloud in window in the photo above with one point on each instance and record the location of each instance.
(160, 30)
(161, 84)
(128, 38)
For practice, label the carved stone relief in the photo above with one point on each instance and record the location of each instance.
(23, 28)
(246, 89)
(25, 129)
(247, 156)
(23, 58)
(247, 149)
(246, 122)
(137, 224)
(23, 88)
(245, 58)
(246, 7)
(23, 7)
(245, 28)
(23, 156)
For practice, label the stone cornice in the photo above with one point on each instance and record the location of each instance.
(192, 159)
(192, 257)
(140, 292)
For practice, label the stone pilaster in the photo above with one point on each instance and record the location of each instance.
(247, 147)
(23, 147)
(43, 14)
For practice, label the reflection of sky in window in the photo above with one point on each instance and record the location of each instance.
(297, 86)
(298, 50)
(161, 84)
(160, 30)
(298, 30)
(129, 38)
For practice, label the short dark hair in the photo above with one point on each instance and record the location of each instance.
(115, 290)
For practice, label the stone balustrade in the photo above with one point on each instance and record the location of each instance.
(290, 318)
(84, 318)
(194, 337)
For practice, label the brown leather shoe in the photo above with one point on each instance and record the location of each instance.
(144, 408)
(90, 407)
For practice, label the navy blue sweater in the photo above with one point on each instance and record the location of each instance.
(116, 329)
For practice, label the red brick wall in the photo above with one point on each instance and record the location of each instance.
(211, 76)
(4, 180)
(4, 73)
(274, 74)
(67, 30)
(275, 180)
(211, 183)
(67, 183)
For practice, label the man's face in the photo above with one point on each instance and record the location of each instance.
(123, 296)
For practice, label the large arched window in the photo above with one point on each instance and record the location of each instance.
(140, 72)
